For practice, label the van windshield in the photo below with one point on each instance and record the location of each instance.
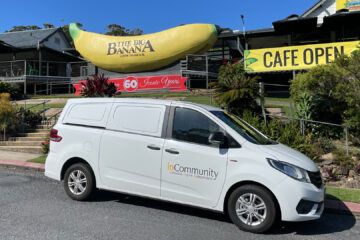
(243, 128)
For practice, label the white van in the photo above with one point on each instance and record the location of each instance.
(185, 153)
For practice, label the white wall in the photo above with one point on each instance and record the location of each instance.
(326, 9)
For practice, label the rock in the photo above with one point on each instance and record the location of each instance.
(329, 158)
(354, 158)
(350, 184)
(326, 162)
(343, 180)
(351, 173)
(324, 174)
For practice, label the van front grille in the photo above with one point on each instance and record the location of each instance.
(315, 178)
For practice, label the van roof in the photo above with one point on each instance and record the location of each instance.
(142, 100)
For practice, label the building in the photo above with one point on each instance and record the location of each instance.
(36, 59)
(326, 28)
(44, 58)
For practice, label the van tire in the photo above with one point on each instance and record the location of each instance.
(82, 177)
(262, 219)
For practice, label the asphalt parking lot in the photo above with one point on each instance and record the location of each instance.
(34, 207)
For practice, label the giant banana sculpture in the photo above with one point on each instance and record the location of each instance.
(144, 52)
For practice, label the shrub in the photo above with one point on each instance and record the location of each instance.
(334, 91)
(355, 141)
(342, 159)
(235, 90)
(287, 133)
(7, 113)
(319, 85)
(326, 144)
(98, 86)
(11, 88)
(45, 146)
(27, 118)
(304, 104)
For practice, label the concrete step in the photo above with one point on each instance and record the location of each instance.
(43, 126)
(48, 121)
(21, 143)
(26, 149)
(278, 112)
(38, 130)
(21, 139)
(33, 134)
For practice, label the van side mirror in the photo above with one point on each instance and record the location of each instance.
(217, 138)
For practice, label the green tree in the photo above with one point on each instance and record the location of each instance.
(23, 28)
(136, 32)
(48, 25)
(32, 27)
(118, 30)
(7, 112)
(236, 90)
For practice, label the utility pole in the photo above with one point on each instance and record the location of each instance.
(244, 32)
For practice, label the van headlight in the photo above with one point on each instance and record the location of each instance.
(290, 170)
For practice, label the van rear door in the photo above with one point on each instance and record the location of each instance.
(131, 148)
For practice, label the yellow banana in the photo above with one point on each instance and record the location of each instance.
(144, 52)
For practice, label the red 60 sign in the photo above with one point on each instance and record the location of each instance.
(130, 84)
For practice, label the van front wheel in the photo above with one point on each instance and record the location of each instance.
(79, 182)
(252, 208)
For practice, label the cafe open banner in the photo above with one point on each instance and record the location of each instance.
(296, 57)
(352, 5)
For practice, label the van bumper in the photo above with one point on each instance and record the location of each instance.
(300, 201)
(51, 167)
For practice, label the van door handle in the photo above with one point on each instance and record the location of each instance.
(172, 151)
(153, 147)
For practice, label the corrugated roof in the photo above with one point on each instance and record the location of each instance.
(313, 8)
(27, 39)
(4, 47)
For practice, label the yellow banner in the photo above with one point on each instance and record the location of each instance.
(352, 5)
(296, 57)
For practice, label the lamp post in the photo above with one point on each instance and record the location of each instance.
(244, 32)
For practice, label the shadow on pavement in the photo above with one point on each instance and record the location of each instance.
(104, 196)
(327, 224)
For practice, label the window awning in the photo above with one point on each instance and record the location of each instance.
(341, 19)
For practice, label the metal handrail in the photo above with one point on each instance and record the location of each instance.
(42, 103)
(55, 116)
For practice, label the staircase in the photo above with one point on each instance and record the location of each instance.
(276, 112)
(30, 141)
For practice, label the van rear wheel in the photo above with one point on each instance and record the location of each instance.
(79, 182)
(252, 208)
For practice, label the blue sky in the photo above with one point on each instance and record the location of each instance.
(148, 15)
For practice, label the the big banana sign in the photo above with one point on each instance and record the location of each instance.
(144, 52)
(296, 57)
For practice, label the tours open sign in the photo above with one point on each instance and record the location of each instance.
(351, 5)
(296, 57)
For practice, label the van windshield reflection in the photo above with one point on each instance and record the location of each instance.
(243, 128)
